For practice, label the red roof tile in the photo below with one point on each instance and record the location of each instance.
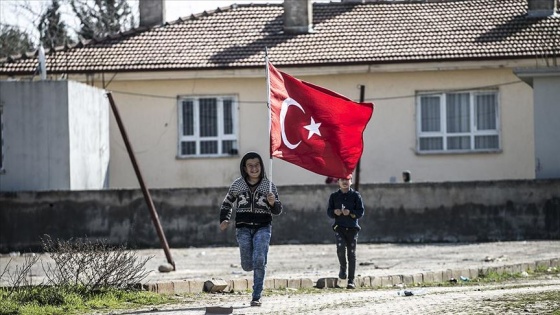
(344, 33)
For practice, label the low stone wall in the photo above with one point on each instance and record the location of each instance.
(413, 212)
(409, 280)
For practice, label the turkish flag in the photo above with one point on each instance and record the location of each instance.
(314, 128)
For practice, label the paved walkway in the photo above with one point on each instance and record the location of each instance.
(520, 297)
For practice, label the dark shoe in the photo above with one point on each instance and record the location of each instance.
(342, 273)
(256, 303)
(350, 285)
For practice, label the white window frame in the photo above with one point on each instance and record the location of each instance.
(219, 138)
(444, 135)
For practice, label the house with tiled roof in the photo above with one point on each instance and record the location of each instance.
(443, 75)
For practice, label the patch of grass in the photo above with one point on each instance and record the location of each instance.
(70, 300)
(533, 303)
(498, 277)
(34, 309)
(538, 272)
(494, 277)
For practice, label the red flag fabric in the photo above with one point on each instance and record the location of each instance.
(314, 128)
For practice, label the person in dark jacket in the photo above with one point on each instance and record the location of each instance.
(346, 208)
(255, 200)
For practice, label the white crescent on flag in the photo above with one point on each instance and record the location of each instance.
(313, 127)
(283, 111)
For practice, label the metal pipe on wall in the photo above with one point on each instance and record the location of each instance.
(147, 196)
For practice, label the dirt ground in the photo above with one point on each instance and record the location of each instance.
(316, 261)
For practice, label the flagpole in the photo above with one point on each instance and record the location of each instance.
(269, 113)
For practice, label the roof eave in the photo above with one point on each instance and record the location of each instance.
(528, 74)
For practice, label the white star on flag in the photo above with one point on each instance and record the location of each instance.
(313, 128)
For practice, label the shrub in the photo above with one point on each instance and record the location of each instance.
(92, 265)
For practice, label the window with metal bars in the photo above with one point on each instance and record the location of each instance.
(207, 126)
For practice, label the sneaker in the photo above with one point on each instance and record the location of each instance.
(351, 285)
(256, 303)
(342, 273)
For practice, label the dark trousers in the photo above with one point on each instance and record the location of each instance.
(346, 241)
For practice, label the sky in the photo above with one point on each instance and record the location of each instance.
(12, 13)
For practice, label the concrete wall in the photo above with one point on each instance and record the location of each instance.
(547, 131)
(545, 82)
(88, 120)
(416, 212)
(55, 136)
(148, 107)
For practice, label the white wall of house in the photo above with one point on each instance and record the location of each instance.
(55, 136)
(150, 113)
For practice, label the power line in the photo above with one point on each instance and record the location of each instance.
(365, 100)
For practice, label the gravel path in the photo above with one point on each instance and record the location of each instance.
(505, 298)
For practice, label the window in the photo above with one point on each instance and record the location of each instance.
(458, 122)
(207, 126)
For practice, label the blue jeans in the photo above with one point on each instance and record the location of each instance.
(253, 247)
